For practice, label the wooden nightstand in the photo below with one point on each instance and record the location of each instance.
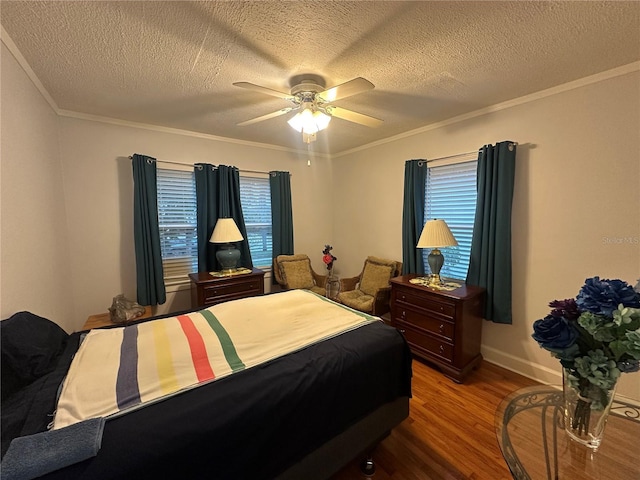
(441, 327)
(207, 290)
(104, 319)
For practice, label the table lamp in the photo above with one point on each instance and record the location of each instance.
(436, 234)
(226, 232)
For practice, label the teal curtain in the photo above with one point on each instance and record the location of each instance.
(218, 196)
(146, 232)
(206, 176)
(490, 260)
(281, 213)
(230, 206)
(415, 176)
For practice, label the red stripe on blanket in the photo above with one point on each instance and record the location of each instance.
(198, 350)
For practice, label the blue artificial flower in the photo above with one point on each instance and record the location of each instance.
(629, 366)
(554, 333)
(602, 297)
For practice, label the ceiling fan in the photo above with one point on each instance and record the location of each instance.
(314, 102)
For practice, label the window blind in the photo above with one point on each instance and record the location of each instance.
(178, 224)
(255, 196)
(451, 195)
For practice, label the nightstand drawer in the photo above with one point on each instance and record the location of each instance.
(218, 292)
(445, 309)
(422, 322)
(427, 344)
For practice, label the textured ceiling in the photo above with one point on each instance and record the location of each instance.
(173, 64)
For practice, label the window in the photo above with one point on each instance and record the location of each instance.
(255, 196)
(451, 195)
(178, 224)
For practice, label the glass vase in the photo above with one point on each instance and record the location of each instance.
(332, 285)
(586, 409)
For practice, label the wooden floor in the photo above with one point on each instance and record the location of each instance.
(450, 431)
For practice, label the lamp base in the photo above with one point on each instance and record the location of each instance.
(228, 256)
(435, 260)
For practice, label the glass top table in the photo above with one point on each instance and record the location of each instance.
(530, 429)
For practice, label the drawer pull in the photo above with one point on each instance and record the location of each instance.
(441, 327)
(441, 348)
(402, 330)
(403, 314)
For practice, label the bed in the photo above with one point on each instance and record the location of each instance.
(301, 411)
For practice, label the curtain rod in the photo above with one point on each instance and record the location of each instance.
(193, 165)
(461, 154)
(453, 156)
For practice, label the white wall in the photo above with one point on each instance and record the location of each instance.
(35, 253)
(99, 191)
(576, 192)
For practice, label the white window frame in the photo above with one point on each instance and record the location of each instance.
(442, 190)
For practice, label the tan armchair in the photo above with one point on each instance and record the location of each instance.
(294, 271)
(370, 291)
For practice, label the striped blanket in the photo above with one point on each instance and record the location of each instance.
(119, 369)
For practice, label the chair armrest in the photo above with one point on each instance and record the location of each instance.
(276, 274)
(381, 301)
(347, 284)
(321, 280)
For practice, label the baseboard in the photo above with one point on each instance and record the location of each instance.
(531, 370)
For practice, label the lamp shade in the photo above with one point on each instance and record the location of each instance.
(226, 231)
(436, 234)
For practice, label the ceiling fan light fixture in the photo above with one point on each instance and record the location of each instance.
(309, 121)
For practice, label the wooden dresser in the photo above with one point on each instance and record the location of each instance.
(442, 327)
(207, 290)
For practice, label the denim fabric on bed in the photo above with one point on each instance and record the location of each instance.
(32, 456)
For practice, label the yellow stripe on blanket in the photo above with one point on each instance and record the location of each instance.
(119, 369)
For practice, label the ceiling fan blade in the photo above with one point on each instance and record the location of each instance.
(355, 117)
(268, 91)
(352, 87)
(266, 117)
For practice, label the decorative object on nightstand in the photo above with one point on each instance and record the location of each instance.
(208, 289)
(123, 310)
(104, 319)
(436, 234)
(442, 327)
(226, 232)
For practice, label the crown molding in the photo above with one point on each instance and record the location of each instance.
(598, 77)
(13, 48)
(185, 133)
(565, 87)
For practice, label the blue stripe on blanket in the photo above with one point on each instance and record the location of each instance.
(127, 387)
